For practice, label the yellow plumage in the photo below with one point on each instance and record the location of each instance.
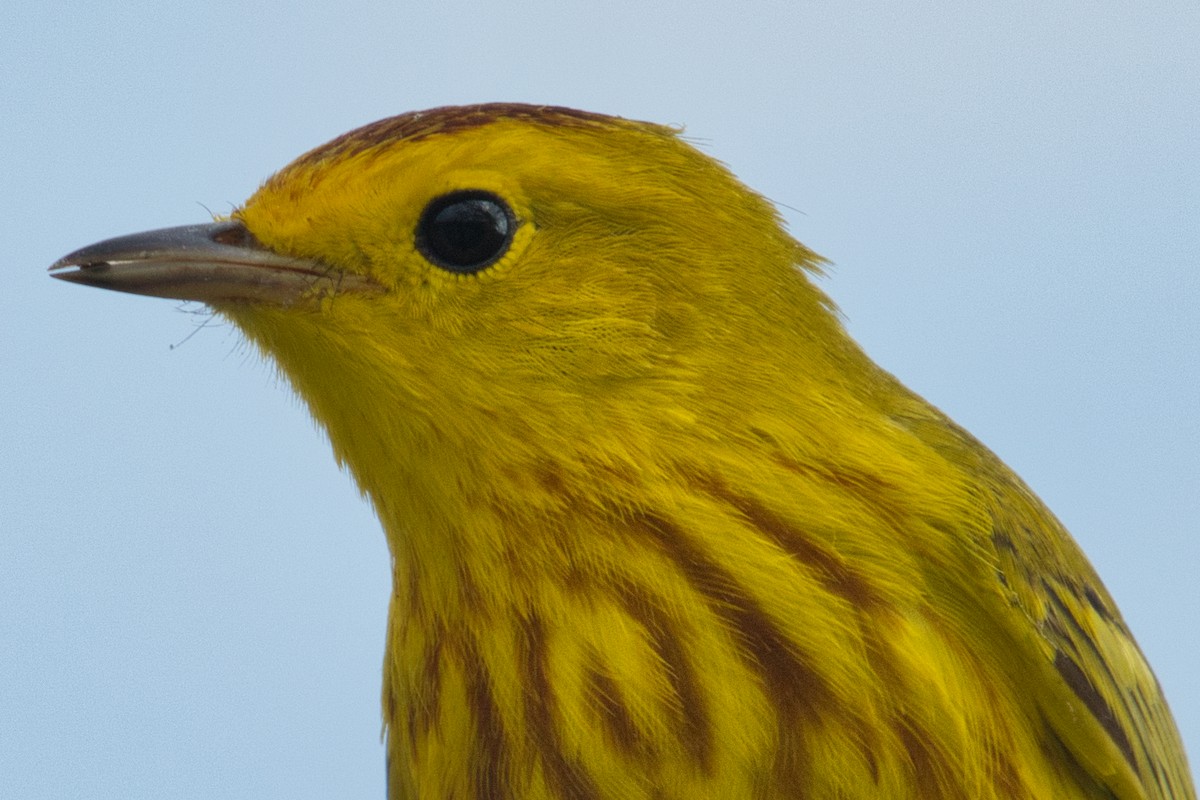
(660, 529)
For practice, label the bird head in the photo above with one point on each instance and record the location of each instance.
(507, 290)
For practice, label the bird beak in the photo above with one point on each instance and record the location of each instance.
(214, 263)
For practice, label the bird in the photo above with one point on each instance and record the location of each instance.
(659, 527)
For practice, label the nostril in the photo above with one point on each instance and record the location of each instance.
(234, 234)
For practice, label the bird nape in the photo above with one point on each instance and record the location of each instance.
(660, 528)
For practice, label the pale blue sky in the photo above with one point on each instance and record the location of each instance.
(192, 597)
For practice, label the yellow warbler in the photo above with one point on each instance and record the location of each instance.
(660, 528)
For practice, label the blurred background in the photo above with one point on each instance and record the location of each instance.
(192, 596)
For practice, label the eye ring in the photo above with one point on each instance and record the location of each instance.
(465, 231)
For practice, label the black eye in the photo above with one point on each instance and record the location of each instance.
(465, 231)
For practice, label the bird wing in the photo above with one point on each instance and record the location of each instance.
(1130, 742)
